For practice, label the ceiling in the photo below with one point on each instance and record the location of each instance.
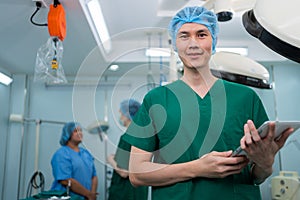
(129, 23)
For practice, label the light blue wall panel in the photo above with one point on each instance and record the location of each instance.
(15, 140)
(4, 116)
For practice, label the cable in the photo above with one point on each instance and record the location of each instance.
(38, 6)
(55, 3)
(33, 183)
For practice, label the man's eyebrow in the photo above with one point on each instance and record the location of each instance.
(198, 31)
(203, 30)
(183, 32)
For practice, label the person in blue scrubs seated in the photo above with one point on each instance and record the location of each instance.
(120, 187)
(185, 132)
(73, 166)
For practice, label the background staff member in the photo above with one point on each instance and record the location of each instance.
(73, 165)
(121, 187)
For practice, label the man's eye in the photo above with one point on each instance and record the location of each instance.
(183, 36)
(202, 35)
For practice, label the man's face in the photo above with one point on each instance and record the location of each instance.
(76, 135)
(123, 119)
(194, 45)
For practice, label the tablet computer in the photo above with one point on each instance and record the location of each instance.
(280, 127)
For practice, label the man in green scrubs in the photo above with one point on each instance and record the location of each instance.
(120, 186)
(183, 134)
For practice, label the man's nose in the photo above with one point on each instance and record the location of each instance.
(193, 42)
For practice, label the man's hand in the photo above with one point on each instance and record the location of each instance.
(262, 151)
(220, 164)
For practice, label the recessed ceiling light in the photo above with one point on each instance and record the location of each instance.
(113, 67)
(6, 80)
(158, 52)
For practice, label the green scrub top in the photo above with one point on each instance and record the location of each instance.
(177, 125)
(121, 188)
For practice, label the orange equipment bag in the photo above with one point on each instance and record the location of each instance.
(57, 21)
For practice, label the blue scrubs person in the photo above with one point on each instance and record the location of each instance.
(73, 165)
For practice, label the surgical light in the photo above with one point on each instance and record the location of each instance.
(93, 12)
(4, 79)
(241, 69)
(279, 32)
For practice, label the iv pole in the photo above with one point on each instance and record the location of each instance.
(100, 128)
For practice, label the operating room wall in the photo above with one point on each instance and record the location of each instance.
(57, 104)
(4, 113)
(287, 96)
(282, 104)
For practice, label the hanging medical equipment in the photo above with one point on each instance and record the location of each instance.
(236, 68)
(276, 26)
(57, 21)
(48, 67)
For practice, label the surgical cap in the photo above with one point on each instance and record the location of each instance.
(129, 108)
(199, 15)
(67, 132)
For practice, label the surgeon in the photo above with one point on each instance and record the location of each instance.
(73, 166)
(120, 187)
(185, 132)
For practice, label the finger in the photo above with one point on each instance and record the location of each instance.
(243, 142)
(222, 154)
(281, 141)
(253, 131)
(235, 169)
(248, 137)
(271, 131)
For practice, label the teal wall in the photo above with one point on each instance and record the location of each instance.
(4, 114)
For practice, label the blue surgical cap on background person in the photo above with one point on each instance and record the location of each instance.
(67, 132)
(199, 15)
(129, 108)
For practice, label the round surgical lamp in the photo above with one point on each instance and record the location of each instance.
(224, 9)
(98, 127)
(240, 69)
(276, 25)
(224, 16)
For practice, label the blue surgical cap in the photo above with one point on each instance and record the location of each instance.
(199, 15)
(67, 132)
(129, 108)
